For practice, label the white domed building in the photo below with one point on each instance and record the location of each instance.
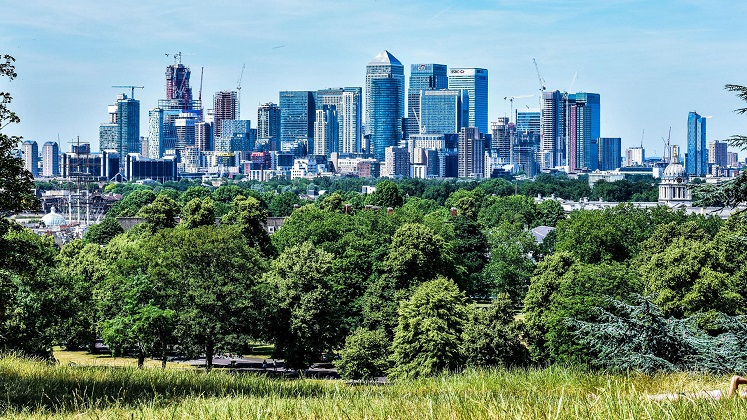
(673, 189)
(53, 220)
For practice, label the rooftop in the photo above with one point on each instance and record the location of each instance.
(385, 58)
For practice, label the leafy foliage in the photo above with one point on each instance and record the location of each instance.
(364, 355)
(428, 336)
(492, 337)
(102, 233)
(16, 183)
(302, 314)
(638, 337)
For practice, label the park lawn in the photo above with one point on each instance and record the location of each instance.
(84, 358)
(39, 390)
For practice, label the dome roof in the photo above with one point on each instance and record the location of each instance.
(53, 219)
(674, 170)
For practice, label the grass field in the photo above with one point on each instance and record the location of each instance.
(38, 390)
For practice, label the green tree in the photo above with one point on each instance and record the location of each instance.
(16, 183)
(427, 339)
(227, 193)
(549, 213)
(198, 212)
(303, 316)
(194, 191)
(160, 214)
(563, 288)
(686, 280)
(470, 250)
(515, 209)
(250, 217)
(131, 203)
(29, 310)
(102, 233)
(387, 195)
(332, 202)
(282, 205)
(215, 274)
(416, 254)
(84, 268)
(138, 320)
(511, 267)
(637, 337)
(364, 356)
(492, 337)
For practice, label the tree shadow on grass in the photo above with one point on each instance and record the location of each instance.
(35, 386)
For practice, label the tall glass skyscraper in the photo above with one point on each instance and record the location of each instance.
(423, 77)
(347, 102)
(610, 153)
(474, 81)
(122, 132)
(696, 163)
(268, 124)
(583, 130)
(552, 143)
(386, 115)
(225, 107)
(386, 66)
(297, 111)
(440, 111)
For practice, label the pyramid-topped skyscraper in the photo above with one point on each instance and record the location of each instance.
(385, 101)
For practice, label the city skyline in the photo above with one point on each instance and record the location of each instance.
(651, 63)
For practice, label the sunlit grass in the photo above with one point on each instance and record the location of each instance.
(35, 389)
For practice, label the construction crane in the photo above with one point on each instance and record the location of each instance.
(512, 140)
(178, 56)
(199, 95)
(511, 100)
(667, 156)
(132, 89)
(238, 89)
(541, 100)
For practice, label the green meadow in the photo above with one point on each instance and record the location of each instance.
(30, 389)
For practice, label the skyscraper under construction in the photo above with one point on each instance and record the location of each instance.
(178, 109)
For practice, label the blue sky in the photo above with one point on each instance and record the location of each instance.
(651, 61)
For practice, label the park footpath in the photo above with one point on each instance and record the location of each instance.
(268, 367)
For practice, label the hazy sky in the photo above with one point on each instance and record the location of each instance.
(651, 61)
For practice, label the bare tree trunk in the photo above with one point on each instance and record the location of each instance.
(163, 357)
(140, 358)
(209, 350)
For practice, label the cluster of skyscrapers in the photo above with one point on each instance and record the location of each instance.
(436, 125)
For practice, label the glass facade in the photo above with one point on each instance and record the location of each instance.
(441, 110)
(527, 121)
(423, 77)
(610, 153)
(347, 101)
(386, 121)
(386, 66)
(297, 110)
(583, 130)
(696, 163)
(122, 132)
(475, 82)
